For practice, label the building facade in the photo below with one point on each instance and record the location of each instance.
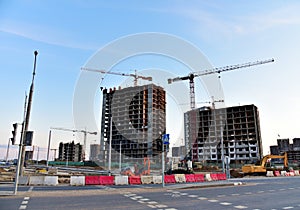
(70, 152)
(135, 119)
(283, 145)
(235, 129)
(94, 152)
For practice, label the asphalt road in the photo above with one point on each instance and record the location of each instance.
(272, 193)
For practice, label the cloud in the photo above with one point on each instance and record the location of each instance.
(43, 34)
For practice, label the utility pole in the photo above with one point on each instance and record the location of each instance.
(28, 115)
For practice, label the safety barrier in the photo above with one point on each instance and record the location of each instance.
(180, 178)
(121, 180)
(135, 180)
(283, 173)
(92, 180)
(276, 173)
(51, 180)
(23, 180)
(222, 176)
(77, 180)
(190, 178)
(199, 177)
(208, 177)
(270, 173)
(157, 179)
(36, 180)
(147, 179)
(169, 178)
(106, 180)
(296, 173)
(214, 177)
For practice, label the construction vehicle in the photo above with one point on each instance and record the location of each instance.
(138, 171)
(261, 167)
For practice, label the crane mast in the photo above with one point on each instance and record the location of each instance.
(135, 76)
(192, 75)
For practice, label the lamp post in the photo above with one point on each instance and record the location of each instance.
(48, 148)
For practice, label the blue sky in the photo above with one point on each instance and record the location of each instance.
(67, 33)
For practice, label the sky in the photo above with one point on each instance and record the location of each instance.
(67, 34)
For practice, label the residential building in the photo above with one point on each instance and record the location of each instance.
(70, 152)
(235, 129)
(135, 119)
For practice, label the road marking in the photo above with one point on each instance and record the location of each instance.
(241, 207)
(248, 193)
(226, 204)
(26, 198)
(213, 200)
(183, 193)
(30, 189)
(288, 207)
(151, 206)
(291, 188)
(192, 196)
(202, 198)
(23, 207)
(152, 202)
(271, 190)
(236, 194)
(220, 196)
(281, 189)
(261, 191)
(24, 202)
(144, 199)
(161, 206)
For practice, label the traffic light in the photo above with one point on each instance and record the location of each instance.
(14, 133)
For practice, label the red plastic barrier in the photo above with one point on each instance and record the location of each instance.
(199, 177)
(134, 180)
(276, 173)
(170, 178)
(190, 178)
(92, 180)
(222, 176)
(107, 180)
(214, 177)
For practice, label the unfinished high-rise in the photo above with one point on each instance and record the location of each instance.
(135, 119)
(235, 129)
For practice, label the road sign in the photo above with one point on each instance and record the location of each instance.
(166, 138)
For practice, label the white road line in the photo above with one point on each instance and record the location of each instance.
(23, 207)
(192, 196)
(248, 193)
(241, 207)
(202, 198)
(213, 200)
(183, 193)
(261, 191)
(288, 207)
(220, 196)
(235, 194)
(152, 202)
(291, 188)
(152, 206)
(161, 206)
(24, 202)
(26, 198)
(30, 189)
(226, 204)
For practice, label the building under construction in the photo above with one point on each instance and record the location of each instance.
(135, 119)
(70, 152)
(235, 129)
(293, 150)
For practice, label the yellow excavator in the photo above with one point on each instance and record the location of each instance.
(260, 168)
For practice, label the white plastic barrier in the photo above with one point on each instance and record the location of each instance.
(180, 178)
(296, 173)
(77, 180)
(157, 179)
(270, 173)
(146, 179)
(208, 178)
(36, 180)
(283, 173)
(292, 173)
(23, 180)
(51, 180)
(121, 180)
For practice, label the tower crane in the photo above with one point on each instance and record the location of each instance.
(135, 76)
(192, 75)
(85, 132)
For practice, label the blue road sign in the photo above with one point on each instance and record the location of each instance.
(166, 138)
